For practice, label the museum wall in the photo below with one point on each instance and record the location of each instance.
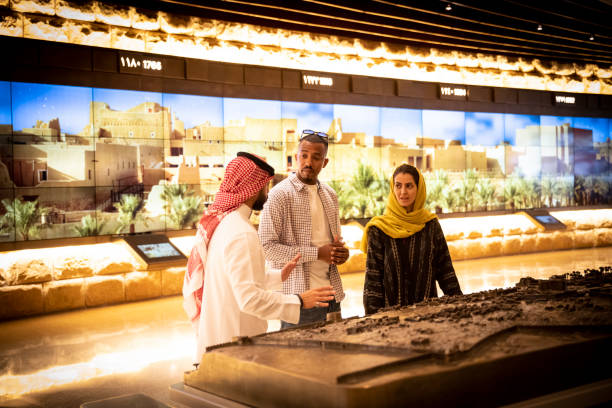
(118, 120)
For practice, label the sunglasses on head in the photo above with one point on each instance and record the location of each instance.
(308, 132)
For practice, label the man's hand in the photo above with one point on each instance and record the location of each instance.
(325, 253)
(339, 253)
(289, 267)
(334, 253)
(318, 297)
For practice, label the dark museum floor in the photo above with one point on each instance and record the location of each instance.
(67, 359)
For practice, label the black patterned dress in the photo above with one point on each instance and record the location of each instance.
(403, 271)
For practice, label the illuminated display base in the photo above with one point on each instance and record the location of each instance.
(42, 278)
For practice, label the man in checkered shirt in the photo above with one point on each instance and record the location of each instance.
(301, 216)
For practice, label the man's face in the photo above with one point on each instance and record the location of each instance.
(261, 199)
(310, 159)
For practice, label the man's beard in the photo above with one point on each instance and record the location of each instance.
(259, 203)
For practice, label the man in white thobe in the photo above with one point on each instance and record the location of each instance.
(226, 283)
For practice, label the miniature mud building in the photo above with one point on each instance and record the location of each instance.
(484, 349)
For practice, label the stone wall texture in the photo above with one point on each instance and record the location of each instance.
(104, 290)
(47, 280)
(63, 295)
(97, 23)
(21, 300)
(142, 285)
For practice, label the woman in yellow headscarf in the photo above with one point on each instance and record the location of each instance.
(406, 249)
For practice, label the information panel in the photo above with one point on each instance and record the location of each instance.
(544, 220)
(155, 250)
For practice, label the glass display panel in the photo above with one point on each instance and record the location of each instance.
(7, 214)
(52, 212)
(252, 121)
(93, 161)
(46, 114)
(443, 127)
(6, 120)
(521, 130)
(195, 117)
(403, 126)
(588, 131)
(484, 129)
(6, 161)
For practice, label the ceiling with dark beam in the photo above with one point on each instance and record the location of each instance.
(566, 30)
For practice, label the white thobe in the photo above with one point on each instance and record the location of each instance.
(235, 301)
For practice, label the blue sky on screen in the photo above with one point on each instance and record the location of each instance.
(599, 126)
(514, 122)
(484, 129)
(315, 116)
(403, 125)
(32, 102)
(195, 110)
(356, 118)
(238, 108)
(555, 120)
(445, 125)
(5, 103)
(121, 100)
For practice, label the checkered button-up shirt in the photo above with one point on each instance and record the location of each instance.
(285, 228)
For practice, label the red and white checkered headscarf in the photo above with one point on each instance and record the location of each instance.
(244, 177)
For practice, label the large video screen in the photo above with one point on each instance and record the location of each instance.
(80, 161)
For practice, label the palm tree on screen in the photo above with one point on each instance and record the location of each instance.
(485, 191)
(89, 226)
(26, 216)
(128, 208)
(185, 211)
(548, 186)
(512, 193)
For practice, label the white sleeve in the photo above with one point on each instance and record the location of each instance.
(273, 278)
(246, 268)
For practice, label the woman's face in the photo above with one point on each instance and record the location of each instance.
(405, 190)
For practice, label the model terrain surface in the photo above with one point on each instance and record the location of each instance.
(497, 346)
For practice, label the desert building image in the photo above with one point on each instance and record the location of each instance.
(146, 145)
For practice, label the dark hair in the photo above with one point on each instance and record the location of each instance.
(406, 168)
(315, 139)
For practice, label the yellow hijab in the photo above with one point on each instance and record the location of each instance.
(396, 222)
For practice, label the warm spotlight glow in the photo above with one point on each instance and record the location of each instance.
(119, 253)
(476, 227)
(127, 360)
